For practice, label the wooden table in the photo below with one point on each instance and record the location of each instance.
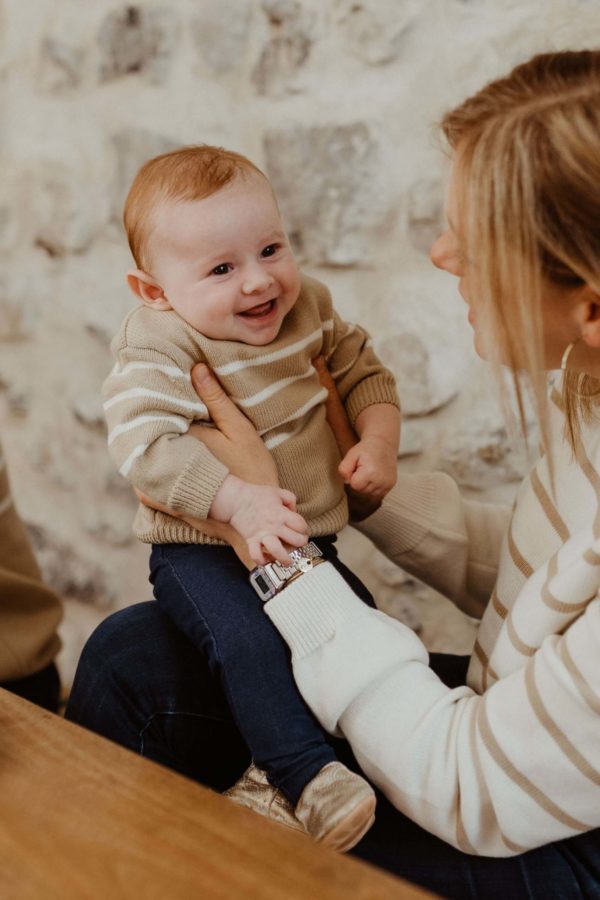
(81, 817)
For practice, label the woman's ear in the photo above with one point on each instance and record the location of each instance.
(148, 290)
(590, 317)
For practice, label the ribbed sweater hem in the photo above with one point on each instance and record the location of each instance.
(373, 390)
(308, 611)
(152, 527)
(405, 517)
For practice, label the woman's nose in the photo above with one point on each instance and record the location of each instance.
(444, 254)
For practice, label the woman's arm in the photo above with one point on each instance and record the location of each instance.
(493, 775)
(452, 544)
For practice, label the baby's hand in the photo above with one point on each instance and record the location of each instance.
(370, 467)
(265, 516)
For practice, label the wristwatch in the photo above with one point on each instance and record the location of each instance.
(271, 579)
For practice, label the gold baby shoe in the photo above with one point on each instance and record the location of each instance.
(253, 791)
(337, 807)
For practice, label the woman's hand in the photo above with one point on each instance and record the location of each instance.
(232, 433)
(233, 439)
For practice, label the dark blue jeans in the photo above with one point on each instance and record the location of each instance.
(141, 683)
(205, 591)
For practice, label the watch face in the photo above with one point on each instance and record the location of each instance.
(261, 583)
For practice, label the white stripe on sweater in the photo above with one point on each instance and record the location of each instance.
(282, 437)
(181, 423)
(156, 395)
(318, 398)
(271, 389)
(5, 504)
(239, 364)
(126, 467)
(352, 362)
(172, 371)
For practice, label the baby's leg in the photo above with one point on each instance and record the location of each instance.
(205, 590)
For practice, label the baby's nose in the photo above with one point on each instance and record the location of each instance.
(256, 279)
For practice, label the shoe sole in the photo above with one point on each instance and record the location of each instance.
(352, 828)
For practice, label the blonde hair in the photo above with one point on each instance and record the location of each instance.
(190, 173)
(528, 167)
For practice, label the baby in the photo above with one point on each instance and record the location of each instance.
(218, 283)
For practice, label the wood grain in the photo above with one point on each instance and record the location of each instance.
(81, 817)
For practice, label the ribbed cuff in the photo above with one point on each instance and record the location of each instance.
(307, 612)
(376, 389)
(195, 489)
(405, 516)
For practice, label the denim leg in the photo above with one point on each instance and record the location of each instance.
(206, 592)
(142, 684)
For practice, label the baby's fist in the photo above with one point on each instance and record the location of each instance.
(370, 467)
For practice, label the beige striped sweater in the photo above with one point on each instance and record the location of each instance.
(511, 761)
(29, 611)
(150, 403)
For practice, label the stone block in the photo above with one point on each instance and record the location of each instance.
(425, 343)
(71, 575)
(132, 148)
(425, 208)
(137, 40)
(220, 31)
(291, 31)
(375, 30)
(331, 189)
(479, 452)
(61, 66)
(68, 212)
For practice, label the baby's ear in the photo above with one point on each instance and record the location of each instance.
(148, 290)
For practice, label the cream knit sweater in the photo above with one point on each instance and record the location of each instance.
(150, 403)
(511, 761)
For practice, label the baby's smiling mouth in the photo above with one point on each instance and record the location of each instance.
(257, 312)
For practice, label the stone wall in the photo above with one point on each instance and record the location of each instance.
(337, 100)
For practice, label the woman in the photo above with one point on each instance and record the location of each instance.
(495, 779)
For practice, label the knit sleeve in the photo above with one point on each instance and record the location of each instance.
(452, 544)
(149, 403)
(494, 774)
(30, 612)
(360, 377)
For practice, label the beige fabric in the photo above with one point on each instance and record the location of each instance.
(29, 611)
(149, 403)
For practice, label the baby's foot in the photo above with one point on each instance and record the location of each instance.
(337, 807)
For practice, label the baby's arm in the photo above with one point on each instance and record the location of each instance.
(370, 466)
(368, 392)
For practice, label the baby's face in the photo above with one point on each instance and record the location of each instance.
(225, 264)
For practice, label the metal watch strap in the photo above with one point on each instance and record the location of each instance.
(272, 578)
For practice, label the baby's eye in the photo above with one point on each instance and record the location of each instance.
(221, 269)
(270, 250)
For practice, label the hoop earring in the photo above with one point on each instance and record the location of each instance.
(566, 355)
(563, 368)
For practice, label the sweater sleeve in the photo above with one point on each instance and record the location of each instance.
(494, 774)
(360, 377)
(430, 531)
(149, 403)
